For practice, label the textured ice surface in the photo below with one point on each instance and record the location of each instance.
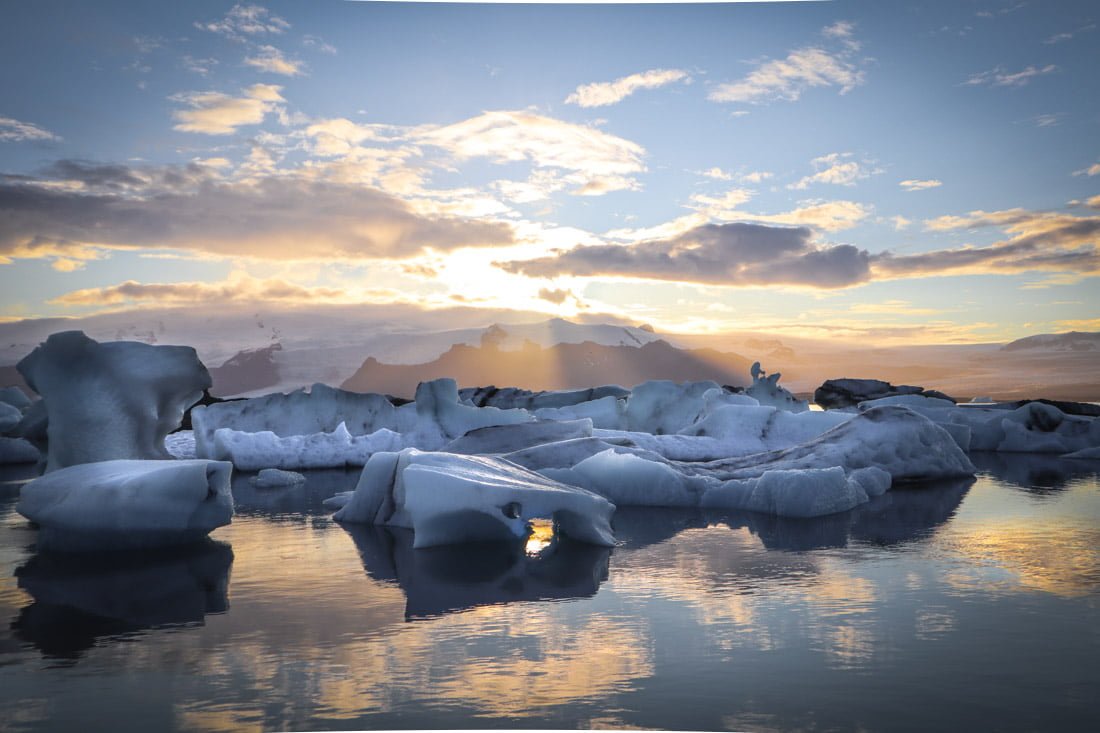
(765, 389)
(319, 410)
(17, 450)
(255, 451)
(1035, 427)
(790, 493)
(112, 400)
(128, 504)
(10, 415)
(447, 498)
(897, 440)
(508, 438)
(627, 479)
(181, 444)
(270, 478)
(512, 397)
(15, 397)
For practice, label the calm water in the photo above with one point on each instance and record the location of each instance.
(969, 606)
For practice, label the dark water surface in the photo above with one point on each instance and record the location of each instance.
(962, 606)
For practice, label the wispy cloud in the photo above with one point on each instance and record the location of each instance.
(318, 43)
(238, 288)
(999, 77)
(591, 161)
(14, 131)
(1068, 35)
(272, 60)
(600, 94)
(275, 217)
(200, 66)
(918, 184)
(804, 68)
(1092, 170)
(215, 113)
(246, 20)
(736, 254)
(835, 168)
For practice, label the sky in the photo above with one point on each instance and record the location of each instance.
(891, 172)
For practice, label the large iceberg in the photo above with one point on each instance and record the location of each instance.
(256, 451)
(447, 498)
(123, 504)
(112, 400)
(1034, 427)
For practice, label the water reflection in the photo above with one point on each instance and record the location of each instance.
(81, 598)
(439, 580)
(297, 501)
(1037, 473)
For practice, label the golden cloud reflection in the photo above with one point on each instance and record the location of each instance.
(1013, 554)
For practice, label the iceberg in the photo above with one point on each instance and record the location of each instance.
(447, 498)
(115, 400)
(265, 449)
(765, 389)
(508, 438)
(271, 478)
(126, 504)
(10, 417)
(17, 450)
(320, 410)
(513, 397)
(15, 397)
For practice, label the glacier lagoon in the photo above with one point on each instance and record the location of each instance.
(965, 604)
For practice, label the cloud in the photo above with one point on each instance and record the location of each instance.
(835, 168)
(311, 41)
(729, 200)
(998, 77)
(829, 216)
(557, 296)
(1092, 170)
(716, 173)
(281, 217)
(14, 131)
(214, 113)
(916, 184)
(272, 60)
(745, 254)
(804, 68)
(737, 254)
(601, 94)
(202, 66)
(338, 136)
(239, 288)
(1038, 242)
(1061, 37)
(755, 176)
(591, 161)
(246, 20)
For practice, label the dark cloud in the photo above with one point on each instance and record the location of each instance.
(720, 254)
(186, 208)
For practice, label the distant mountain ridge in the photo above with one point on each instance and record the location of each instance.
(562, 366)
(1071, 341)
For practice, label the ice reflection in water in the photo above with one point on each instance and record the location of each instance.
(956, 605)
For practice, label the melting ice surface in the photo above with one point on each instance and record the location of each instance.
(967, 605)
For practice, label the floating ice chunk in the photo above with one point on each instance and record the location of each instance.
(872, 479)
(338, 500)
(270, 478)
(255, 451)
(790, 493)
(630, 480)
(10, 415)
(836, 393)
(128, 504)
(905, 444)
(508, 438)
(661, 406)
(512, 397)
(439, 412)
(919, 401)
(181, 444)
(15, 397)
(1085, 454)
(320, 410)
(568, 453)
(765, 389)
(17, 450)
(607, 412)
(111, 400)
(446, 498)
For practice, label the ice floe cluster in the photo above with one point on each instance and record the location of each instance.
(482, 463)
